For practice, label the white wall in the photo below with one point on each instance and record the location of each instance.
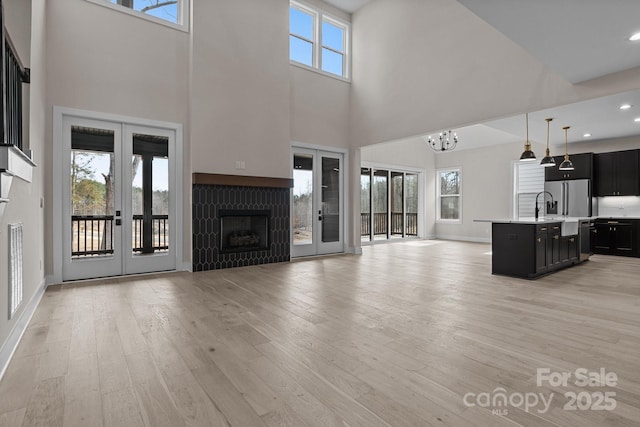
(420, 66)
(487, 188)
(228, 81)
(319, 109)
(24, 205)
(240, 96)
(140, 70)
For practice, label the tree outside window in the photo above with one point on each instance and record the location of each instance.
(449, 195)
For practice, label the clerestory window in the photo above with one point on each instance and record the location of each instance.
(173, 13)
(317, 40)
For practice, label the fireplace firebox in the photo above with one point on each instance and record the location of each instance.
(244, 230)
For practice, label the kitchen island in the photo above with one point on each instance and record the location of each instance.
(530, 248)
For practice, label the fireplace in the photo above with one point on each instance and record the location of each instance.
(244, 230)
(240, 221)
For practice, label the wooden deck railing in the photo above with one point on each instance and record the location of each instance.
(93, 234)
(380, 223)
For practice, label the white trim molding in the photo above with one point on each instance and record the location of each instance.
(10, 345)
(58, 115)
(458, 220)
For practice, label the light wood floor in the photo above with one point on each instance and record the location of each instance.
(394, 337)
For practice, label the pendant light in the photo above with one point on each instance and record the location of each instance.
(527, 155)
(547, 160)
(566, 165)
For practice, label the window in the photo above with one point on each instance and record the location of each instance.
(449, 195)
(317, 41)
(388, 204)
(529, 181)
(169, 12)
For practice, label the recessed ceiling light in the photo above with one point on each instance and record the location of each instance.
(635, 37)
(637, 119)
(587, 135)
(625, 106)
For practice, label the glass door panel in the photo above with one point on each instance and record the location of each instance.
(160, 206)
(330, 211)
(137, 202)
(411, 196)
(365, 204)
(330, 199)
(317, 203)
(397, 204)
(150, 213)
(92, 209)
(380, 204)
(303, 199)
(91, 199)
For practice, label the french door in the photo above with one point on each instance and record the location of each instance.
(118, 204)
(318, 202)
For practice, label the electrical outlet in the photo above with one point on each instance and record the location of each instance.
(240, 165)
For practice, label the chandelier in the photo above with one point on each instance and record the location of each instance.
(447, 141)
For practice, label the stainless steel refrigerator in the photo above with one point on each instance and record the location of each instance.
(574, 198)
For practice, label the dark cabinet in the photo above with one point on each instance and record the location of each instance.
(542, 252)
(602, 238)
(568, 249)
(617, 237)
(531, 250)
(616, 174)
(583, 168)
(554, 243)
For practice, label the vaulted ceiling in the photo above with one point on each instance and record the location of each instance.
(579, 40)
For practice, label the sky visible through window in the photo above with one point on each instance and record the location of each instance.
(301, 26)
(168, 12)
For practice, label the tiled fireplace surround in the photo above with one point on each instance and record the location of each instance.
(213, 193)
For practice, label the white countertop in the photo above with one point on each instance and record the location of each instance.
(532, 220)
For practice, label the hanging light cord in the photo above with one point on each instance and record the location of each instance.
(548, 155)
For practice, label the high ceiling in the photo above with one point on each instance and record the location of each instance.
(579, 39)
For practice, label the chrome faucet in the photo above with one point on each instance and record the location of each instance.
(537, 208)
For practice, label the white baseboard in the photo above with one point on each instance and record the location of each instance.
(354, 250)
(48, 280)
(12, 341)
(185, 266)
(464, 238)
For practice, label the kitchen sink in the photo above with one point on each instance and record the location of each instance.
(569, 227)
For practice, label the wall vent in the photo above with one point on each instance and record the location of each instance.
(15, 268)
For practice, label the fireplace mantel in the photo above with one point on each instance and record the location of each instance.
(241, 180)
